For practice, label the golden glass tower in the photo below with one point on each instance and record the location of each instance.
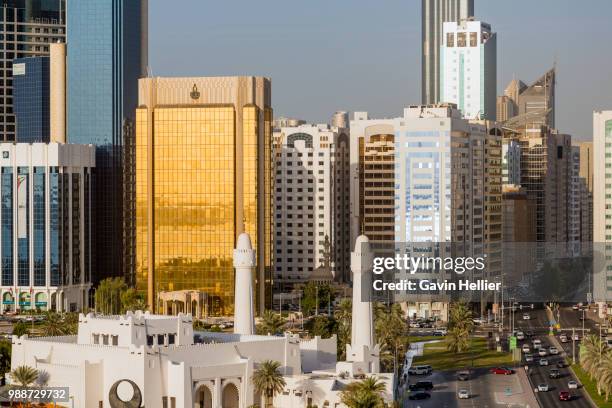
(202, 177)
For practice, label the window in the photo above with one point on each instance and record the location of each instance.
(461, 39)
(450, 40)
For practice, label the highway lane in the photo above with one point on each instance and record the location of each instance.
(540, 374)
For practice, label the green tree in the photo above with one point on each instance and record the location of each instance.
(314, 292)
(5, 357)
(20, 328)
(271, 323)
(53, 325)
(268, 380)
(367, 393)
(343, 316)
(323, 326)
(132, 300)
(460, 316)
(108, 295)
(24, 376)
(458, 339)
(392, 334)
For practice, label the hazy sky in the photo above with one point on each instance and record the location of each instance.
(328, 55)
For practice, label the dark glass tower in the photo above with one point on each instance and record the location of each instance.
(31, 99)
(107, 53)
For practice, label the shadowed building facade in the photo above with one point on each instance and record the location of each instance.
(202, 177)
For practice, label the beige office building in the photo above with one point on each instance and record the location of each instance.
(202, 176)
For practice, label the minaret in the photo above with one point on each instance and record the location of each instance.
(362, 321)
(244, 263)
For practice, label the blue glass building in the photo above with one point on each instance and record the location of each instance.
(107, 54)
(31, 99)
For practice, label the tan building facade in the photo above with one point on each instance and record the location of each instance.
(202, 177)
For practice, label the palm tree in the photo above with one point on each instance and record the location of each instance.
(591, 354)
(367, 393)
(343, 315)
(458, 339)
(460, 316)
(270, 323)
(268, 380)
(604, 374)
(24, 375)
(53, 325)
(391, 333)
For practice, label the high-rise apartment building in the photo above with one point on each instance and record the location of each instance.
(434, 13)
(202, 173)
(602, 206)
(372, 178)
(340, 119)
(45, 239)
(26, 30)
(533, 104)
(107, 54)
(468, 68)
(311, 204)
(445, 187)
(586, 185)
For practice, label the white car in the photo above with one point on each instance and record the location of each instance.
(575, 307)
(543, 388)
(543, 362)
(537, 343)
(526, 348)
(526, 316)
(576, 337)
(528, 358)
(520, 335)
(563, 338)
(463, 394)
(572, 385)
(553, 350)
(542, 352)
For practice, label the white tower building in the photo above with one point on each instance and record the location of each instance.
(244, 263)
(362, 355)
(468, 68)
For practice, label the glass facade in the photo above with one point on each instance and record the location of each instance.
(6, 218)
(188, 173)
(39, 226)
(54, 226)
(31, 99)
(23, 227)
(105, 56)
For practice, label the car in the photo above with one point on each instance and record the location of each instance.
(463, 375)
(543, 362)
(463, 394)
(421, 385)
(542, 387)
(526, 348)
(419, 395)
(561, 364)
(526, 316)
(572, 385)
(563, 338)
(415, 325)
(537, 343)
(576, 337)
(528, 358)
(542, 352)
(529, 333)
(554, 373)
(420, 370)
(575, 307)
(502, 370)
(553, 350)
(520, 335)
(565, 396)
(440, 332)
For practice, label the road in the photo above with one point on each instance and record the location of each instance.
(540, 375)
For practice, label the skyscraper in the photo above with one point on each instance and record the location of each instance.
(31, 99)
(27, 28)
(602, 206)
(107, 54)
(203, 177)
(433, 14)
(468, 68)
(312, 203)
(533, 104)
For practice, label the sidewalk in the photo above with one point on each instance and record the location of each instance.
(522, 392)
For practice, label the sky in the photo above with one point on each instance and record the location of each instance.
(365, 55)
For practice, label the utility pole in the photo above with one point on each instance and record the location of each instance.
(317, 300)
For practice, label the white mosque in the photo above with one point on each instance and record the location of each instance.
(144, 360)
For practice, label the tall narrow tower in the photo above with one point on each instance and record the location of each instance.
(434, 13)
(244, 263)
